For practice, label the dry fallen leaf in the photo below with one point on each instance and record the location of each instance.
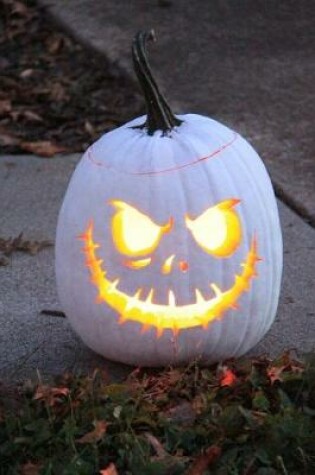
(10, 245)
(156, 444)
(89, 128)
(227, 377)
(43, 148)
(32, 116)
(20, 8)
(8, 139)
(54, 44)
(30, 468)
(27, 73)
(274, 373)
(202, 462)
(58, 92)
(5, 106)
(110, 470)
(95, 435)
(51, 396)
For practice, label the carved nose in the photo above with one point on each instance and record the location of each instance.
(169, 262)
(183, 266)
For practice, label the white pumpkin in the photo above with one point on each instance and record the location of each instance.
(168, 244)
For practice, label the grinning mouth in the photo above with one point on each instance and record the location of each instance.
(174, 317)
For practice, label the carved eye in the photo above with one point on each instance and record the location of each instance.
(218, 229)
(135, 234)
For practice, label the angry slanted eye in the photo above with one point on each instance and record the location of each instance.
(218, 229)
(134, 233)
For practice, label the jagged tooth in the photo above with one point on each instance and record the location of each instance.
(216, 289)
(171, 299)
(113, 285)
(150, 296)
(133, 300)
(137, 294)
(199, 296)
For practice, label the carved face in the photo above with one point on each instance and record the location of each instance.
(217, 231)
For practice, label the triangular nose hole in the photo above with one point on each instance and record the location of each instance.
(168, 264)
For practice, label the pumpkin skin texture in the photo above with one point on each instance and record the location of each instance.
(181, 218)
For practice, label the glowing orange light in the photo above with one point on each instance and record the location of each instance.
(183, 265)
(139, 264)
(166, 316)
(134, 233)
(167, 266)
(218, 229)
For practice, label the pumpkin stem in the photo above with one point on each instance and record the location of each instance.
(159, 114)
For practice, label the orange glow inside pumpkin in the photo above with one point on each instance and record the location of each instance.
(134, 233)
(218, 229)
(166, 316)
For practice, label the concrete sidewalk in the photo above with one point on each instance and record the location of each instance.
(247, 64)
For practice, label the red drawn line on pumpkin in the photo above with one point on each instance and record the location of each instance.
(167, 170)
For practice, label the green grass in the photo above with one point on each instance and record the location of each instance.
(257, 419)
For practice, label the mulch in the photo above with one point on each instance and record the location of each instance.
(54, 95)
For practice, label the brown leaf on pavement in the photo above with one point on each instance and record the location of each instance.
(200, 465)
(43, 148)
(10, 245)
(95, 435)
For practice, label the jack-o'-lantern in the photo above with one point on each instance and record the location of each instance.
(168, 242)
